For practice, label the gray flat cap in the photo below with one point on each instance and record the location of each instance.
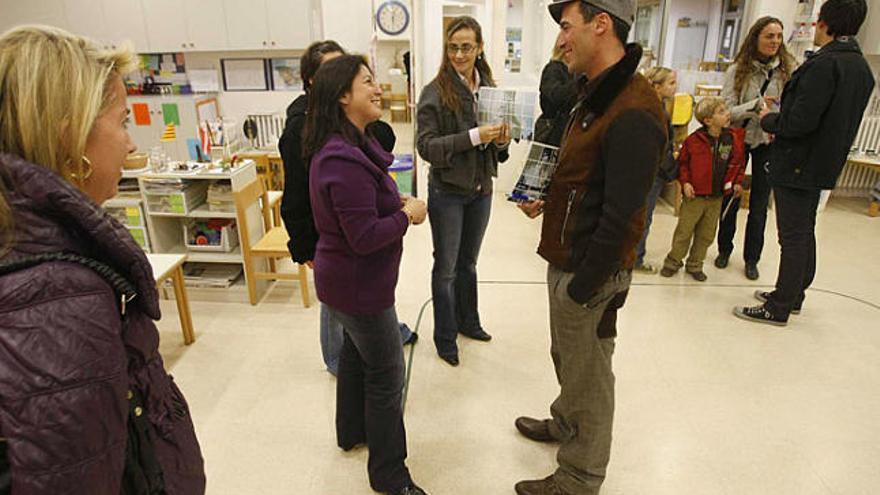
(625, 10)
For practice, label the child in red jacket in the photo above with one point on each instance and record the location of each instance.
(712, 162)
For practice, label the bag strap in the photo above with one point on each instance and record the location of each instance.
(123, 288)
(767, 82)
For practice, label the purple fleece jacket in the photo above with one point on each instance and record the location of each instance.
(358, 215)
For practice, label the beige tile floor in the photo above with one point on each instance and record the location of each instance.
(707, 404)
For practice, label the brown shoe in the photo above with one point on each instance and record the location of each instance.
(535, 429)
(546, 486)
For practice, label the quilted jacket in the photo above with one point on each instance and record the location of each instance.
(66, 367)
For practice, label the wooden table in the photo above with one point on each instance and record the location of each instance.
(871, 163)
(170, 266)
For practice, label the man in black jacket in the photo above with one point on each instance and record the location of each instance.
(822, 107)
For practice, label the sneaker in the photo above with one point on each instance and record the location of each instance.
(722, 260)
(698, 276)
(645, 268)
(759, 314)
(667, 272)
(752, 271)
(765, 296)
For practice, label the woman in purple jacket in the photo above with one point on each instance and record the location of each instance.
(361, 219)
(86, 406)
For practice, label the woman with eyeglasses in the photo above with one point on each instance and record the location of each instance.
(464, 159)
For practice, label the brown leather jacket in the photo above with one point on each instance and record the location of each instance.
(595, 208)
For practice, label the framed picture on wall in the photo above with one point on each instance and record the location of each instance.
(285, 74)
(245, 74)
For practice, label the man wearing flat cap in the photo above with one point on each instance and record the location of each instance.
(594, 216)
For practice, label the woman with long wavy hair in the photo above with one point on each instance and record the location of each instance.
(464, 159)
(755, 80)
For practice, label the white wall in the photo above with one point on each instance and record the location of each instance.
(349, 22)
(698, 11)
(784, 10)
(389, 54)
(869, 36)
(238, 104)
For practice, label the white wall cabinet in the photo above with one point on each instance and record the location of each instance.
(173, 25)
(268, 24)
(17, 12)
(108, 22)
(290, 23)
(205, 25)
(166, 26)
(246, 25)
(124, 22)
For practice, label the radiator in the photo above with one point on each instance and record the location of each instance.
(868, 138)
(269, 128)
(856, 180)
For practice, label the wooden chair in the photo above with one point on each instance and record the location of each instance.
(273, 244)
(703, 89)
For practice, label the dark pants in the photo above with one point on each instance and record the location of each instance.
(759, 198)
(796, 221)
(651, 203)
(458, 223)
(369, 392)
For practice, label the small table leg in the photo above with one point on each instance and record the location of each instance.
(183, 306)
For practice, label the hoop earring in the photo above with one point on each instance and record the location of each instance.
(84, 175)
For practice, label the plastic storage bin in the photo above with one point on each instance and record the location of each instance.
(217, 235)
(402, 173)
(179, 200)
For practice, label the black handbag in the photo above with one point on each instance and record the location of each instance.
(143, 473)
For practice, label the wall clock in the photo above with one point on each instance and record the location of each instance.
(392, 17)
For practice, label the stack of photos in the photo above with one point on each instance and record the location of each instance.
(538, 170)
(516, 108)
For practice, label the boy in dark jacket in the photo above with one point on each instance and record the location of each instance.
(822, 108)
(712, 163)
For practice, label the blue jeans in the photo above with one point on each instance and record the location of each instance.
(653, 195)
(332, 338)
(458, 223)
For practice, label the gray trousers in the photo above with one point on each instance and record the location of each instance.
(583, 413)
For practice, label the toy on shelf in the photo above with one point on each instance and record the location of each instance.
(211, 235)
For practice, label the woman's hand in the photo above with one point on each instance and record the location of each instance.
(489, 133)
(504, 138)
(415, 209)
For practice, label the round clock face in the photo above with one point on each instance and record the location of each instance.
(392, 17)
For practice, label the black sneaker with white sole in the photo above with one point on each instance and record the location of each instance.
(765, 296)
(759, 314)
